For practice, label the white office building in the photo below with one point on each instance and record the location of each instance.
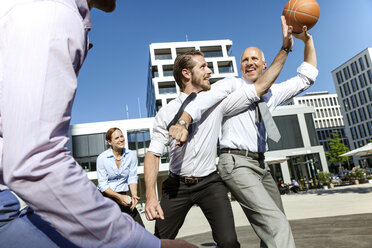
(353, 83)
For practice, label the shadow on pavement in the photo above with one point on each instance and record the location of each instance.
(329, 232)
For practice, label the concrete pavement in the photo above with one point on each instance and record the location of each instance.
(308, 208)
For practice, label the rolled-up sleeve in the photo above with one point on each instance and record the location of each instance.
(309, 71)
(160, 136)
(102, 174)
(133, 178)
(207, 99)
(239, 100)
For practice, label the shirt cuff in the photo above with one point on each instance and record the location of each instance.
(133, 180)
(142, 238)
(156, 147)
(195, 113)
(308, 70)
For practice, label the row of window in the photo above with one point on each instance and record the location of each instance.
(359, 115)
(346, 90)
(330, 112)
(335, 122)
(208, 51)
(319, 102)
(327, 133)
(361, 143)
(358, 99)
(361, 131)
(223, 67)
(345, 72)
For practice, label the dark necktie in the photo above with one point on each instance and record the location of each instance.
(270, 126)
(181, 110)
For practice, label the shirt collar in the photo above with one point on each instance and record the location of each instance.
(182, 97)
(110, 153)
(247, 81)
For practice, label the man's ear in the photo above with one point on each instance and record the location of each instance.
(186, 74)
(264, 65)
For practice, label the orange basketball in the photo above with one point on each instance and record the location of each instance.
(301, 12)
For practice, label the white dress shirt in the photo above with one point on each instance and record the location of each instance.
(197, 156)
(242, 131)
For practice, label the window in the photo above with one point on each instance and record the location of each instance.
(168, 70)
(290, 131)
(353, 133)
(167, 87)
(346, 73)
(158, 105)
(335, 100)
(365, 57)
(139, 141)
(361, 130)
(311, 129)
(210, 66)
(225, 67)
(182, 50)
(340, 79)
(354, 85)
(163, 54)
(155, 72)
(370, 76)
(361, 114)
(362, 97)
(86, 148)
(362, 79)
(342, 95)
(354, 101)
(369, 107)
(361, 63)
(354, 68)
(212, 51)
(369, 128)
(354, 118)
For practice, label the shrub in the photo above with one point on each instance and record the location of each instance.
(324, 177)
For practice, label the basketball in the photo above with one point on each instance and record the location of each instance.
(301, 12)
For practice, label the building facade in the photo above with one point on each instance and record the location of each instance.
(353, 83)
(161, 86)
(327, 116)
(297, 155)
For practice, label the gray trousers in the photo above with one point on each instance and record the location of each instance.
(256, 191)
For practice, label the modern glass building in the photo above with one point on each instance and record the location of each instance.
(353, 83)
(327, 117)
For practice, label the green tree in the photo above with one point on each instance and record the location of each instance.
(337, 148)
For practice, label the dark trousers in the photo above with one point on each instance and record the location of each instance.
(126, 209)
(210, 195)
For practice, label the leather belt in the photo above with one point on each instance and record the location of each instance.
(255, 155)
(189, 180)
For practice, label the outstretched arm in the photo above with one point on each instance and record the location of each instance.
(309, 51)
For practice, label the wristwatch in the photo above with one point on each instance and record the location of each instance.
(288, 50)
(183, 123)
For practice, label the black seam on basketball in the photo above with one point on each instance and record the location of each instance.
(305, 13)
(294, 11)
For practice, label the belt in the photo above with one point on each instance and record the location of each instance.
(255, 155)
(189, 180)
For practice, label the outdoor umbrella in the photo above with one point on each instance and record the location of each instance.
(364, 150)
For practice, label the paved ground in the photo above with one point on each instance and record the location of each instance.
(340, 217)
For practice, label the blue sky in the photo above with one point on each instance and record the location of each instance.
(115, 72)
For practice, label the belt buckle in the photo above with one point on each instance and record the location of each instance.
(191, 180)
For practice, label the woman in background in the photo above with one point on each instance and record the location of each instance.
(117, 174)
